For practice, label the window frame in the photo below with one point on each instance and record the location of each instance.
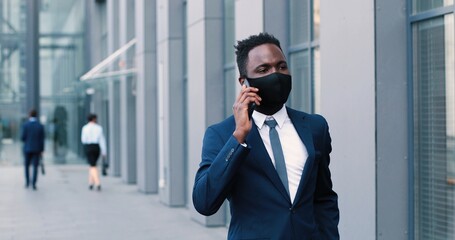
(414, 18)
(301, 47)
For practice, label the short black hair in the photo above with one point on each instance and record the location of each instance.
(91, 117)
(244, 47)
(33, 113)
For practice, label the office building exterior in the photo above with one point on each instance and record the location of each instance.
(159, 72)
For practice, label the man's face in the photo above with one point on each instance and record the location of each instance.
(266, 59)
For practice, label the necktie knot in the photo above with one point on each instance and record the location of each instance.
(271, 123)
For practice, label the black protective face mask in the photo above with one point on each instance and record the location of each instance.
(274, 90)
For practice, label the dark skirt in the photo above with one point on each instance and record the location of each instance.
(92, 151)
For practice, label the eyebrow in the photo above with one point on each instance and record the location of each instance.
(268, 64)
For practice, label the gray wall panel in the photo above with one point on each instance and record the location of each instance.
(348, 103)
(391, 120)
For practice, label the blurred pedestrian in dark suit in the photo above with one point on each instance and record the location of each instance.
(33, 138)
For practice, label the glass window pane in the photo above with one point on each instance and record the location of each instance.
(62, 62)
(316, 79)
(13, 84)
(299, 21)
(301, 94)
(316, 19)
(424, 5)
(229, 56)
(434, 128)
(229, 90)
(229, 31)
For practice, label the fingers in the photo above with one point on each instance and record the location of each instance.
(246, 96)
(243, 123)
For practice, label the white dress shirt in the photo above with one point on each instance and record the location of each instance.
(92, 133)
(294, 151)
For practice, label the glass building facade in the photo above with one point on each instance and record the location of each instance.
(433, 65)
(304, 20)
(12, 68)
(60, 61)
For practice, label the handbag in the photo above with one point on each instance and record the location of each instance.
(41, 164)
(104, 166)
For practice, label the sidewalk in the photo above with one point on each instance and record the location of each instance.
(64, 208)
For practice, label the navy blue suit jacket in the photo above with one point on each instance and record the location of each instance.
(260, 206)
(33, 137)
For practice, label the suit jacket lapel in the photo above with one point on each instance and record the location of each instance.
(261, 156)
(305, 134)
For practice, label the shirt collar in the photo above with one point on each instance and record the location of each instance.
(32, 119)
(280, 117)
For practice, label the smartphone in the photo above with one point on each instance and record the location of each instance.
(252, 105)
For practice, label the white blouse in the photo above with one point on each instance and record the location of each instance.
(92, 133)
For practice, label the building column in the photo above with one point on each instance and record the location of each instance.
(127, 97)
(146, 97)
(205, 86)
(93, 29)
(171, 102)
(113, 91)
(114, 126)
(32, 60)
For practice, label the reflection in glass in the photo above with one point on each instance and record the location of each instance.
(299, 21)
(316, 19)
(424, 5)
(13, 86)
(62, 55)
(301, 94)
(59, 133)
(229, 90)
(434, 128)
(316, 79)
(230, 79)
(304, 22)
(229, 31)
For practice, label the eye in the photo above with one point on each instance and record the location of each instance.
(283, 67)
(262, 70)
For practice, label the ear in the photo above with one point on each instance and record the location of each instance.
(241, 80)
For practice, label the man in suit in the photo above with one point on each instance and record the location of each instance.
(33, 138)
(273, 167)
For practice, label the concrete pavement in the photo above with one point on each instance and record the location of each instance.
(64, 208)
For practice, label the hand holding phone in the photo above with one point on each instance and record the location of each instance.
(251, 105)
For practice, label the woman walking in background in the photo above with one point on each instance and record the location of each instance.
(92, 138)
